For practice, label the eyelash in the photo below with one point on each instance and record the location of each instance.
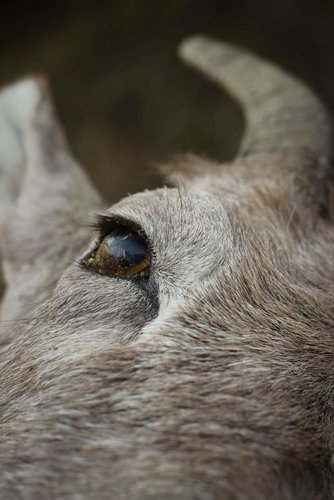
(106, 223)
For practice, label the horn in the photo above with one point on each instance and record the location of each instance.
(288, 129)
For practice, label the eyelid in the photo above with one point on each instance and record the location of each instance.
(105, 223)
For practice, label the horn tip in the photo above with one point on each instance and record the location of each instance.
(189, 47)
(206, 53)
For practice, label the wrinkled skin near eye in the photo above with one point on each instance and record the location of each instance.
(121, 253)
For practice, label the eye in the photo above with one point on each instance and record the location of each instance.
(122, 252)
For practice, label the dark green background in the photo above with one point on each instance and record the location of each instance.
(126, 101)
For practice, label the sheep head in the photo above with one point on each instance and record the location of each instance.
(183, 346)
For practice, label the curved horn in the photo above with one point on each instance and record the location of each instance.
(287, 126)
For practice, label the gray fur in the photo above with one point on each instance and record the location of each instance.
(226, 392)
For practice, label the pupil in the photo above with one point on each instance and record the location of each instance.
(124, 248)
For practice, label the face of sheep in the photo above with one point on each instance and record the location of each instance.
(180, 342)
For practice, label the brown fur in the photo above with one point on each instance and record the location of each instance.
(225, 392)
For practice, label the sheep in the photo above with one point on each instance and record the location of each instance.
(181, 345)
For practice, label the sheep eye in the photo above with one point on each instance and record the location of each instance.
(122, 252)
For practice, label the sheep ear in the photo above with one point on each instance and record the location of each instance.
(44, 194)
(17, 105)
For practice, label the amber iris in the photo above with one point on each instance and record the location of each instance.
(121, 253)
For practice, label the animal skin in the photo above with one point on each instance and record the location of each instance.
(209, 375)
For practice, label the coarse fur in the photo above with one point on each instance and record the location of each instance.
(222, 389)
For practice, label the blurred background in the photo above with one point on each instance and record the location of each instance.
(126, 101)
